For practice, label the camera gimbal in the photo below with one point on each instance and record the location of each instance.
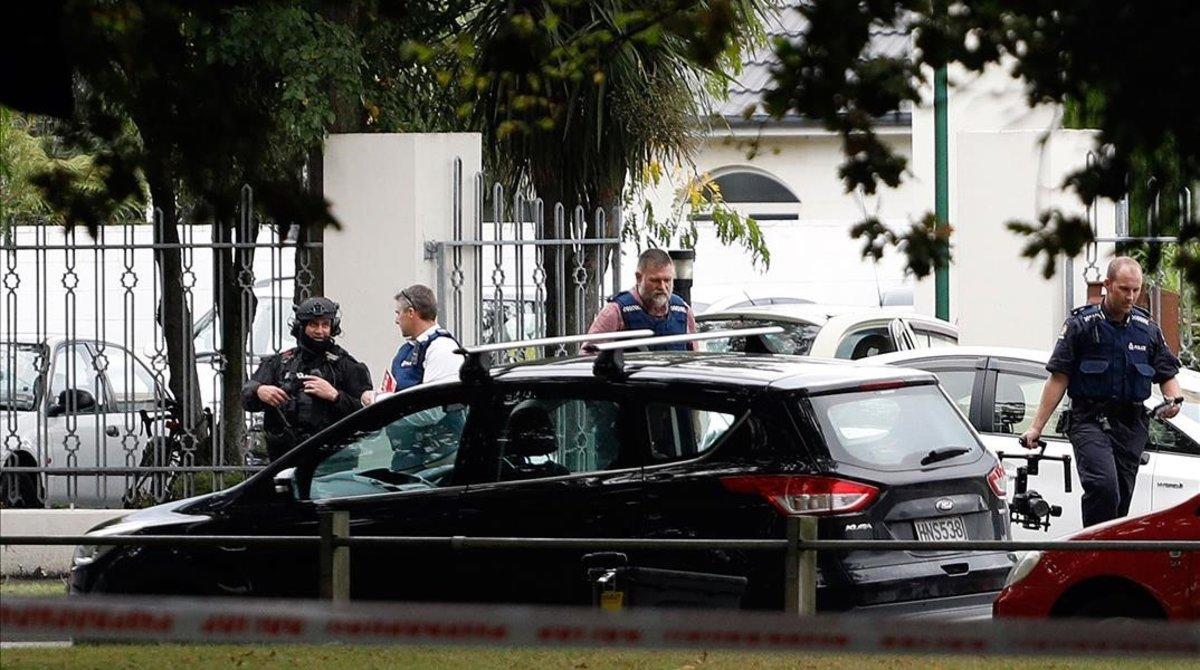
(1029, 508)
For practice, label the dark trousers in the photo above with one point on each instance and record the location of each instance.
(1107, 461)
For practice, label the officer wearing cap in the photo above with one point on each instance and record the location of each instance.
(1106, 359)
(310, 386)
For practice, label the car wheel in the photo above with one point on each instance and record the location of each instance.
(1118, 606)
(19, 490)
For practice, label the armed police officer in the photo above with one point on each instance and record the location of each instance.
(1106, 358)
(651, 304)
(309, 387)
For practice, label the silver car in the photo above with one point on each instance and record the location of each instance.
(72, 403)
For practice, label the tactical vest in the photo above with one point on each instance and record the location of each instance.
(408, 366)
(1112, 361)
(636, 318)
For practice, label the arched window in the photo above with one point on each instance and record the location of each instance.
(755, 193)
(744, 186)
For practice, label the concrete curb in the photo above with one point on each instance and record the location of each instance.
(32, 560)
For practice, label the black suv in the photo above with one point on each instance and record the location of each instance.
(646, 445)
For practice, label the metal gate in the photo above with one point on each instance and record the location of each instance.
(519, 268)
(86, 412)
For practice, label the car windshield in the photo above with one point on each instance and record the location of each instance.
(19, 375)
(796, 338)
(416, 450)
(906, 428)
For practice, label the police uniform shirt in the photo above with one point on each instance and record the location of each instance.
(1077, 341)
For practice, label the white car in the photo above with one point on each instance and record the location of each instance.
(830, 331)
(71, 403)
(998, 390)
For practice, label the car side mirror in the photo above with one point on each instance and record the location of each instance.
(76, 400)
(285, 482)
(1010, 414)
(1145, 458)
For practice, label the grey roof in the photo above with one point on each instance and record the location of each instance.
(755, 78)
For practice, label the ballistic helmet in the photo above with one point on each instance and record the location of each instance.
(315, 308)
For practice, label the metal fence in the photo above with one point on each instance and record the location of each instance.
(518, 268)
(113, 368)
(801, 547)
(1145, 229)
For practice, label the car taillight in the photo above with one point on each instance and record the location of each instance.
(805, 494)
(998, 480)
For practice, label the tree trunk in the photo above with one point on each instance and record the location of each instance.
(310, 255)
(175, 318)
(235, 305)
(347, 118)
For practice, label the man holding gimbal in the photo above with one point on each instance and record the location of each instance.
(1106, 359)
(309, 387)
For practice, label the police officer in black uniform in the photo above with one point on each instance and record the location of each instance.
(1106, 359)
(311, 386)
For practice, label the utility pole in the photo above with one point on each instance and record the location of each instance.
(941, 184)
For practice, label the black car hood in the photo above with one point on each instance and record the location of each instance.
(178, 512)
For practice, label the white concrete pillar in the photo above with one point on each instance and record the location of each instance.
(391, 193)
(988, 101)
(1006, 176)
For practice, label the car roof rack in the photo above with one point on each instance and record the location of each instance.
(611, 360)
(475, 367)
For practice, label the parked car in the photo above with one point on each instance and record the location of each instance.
(748, 298)
(1113, 584)
(269, 334)
(998, 389)
(829, 331)
(72, 403)
(667, 445)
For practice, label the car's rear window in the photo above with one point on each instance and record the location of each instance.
(796, 338)
(894, 429)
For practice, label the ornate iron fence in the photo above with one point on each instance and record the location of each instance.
(524, 268)
(87, 412)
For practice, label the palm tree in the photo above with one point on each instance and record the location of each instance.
(574, 99)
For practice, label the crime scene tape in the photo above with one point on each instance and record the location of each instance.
(318, 622)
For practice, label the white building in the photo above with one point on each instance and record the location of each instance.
(998, 171)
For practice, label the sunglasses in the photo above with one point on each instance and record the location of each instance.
(408, 299)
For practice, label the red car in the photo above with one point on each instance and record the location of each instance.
(1135, 584)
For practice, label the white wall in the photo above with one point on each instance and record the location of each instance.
(814, 257)
(391, 193)
(1004, 176)
(992, 101)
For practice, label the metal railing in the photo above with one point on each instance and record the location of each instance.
(114, 321)
(800, 548)
(519, 268)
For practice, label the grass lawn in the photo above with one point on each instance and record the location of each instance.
(140, 657)
(33, 588)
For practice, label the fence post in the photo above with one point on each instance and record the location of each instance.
(335, 560)
(801, 568)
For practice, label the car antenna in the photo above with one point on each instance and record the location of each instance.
(476, 367)
(610, 362)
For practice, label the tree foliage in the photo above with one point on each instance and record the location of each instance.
(1119, 69)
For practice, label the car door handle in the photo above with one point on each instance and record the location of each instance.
(112, 431)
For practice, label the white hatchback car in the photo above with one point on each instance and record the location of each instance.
(830, 331)
(72, 403)
(998, 389)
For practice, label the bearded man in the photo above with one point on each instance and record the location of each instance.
(651, 304)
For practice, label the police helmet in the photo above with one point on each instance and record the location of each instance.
(314, 308)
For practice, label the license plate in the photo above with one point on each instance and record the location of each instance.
(945, 529)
